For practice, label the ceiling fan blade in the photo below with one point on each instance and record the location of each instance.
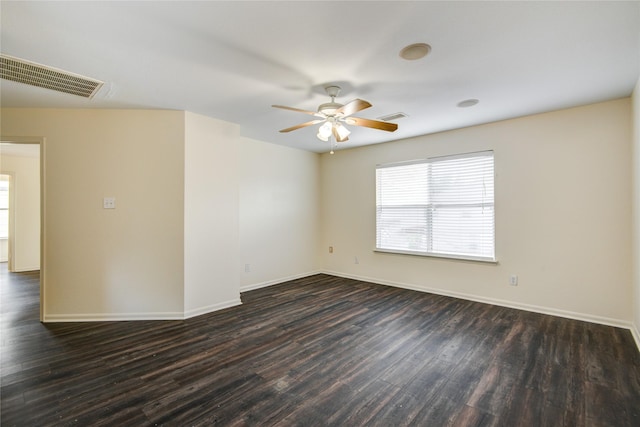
(313, 113)
(375, 124)
(353, 107)
(336, 135)
(302, 125)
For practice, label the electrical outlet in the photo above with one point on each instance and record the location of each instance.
(330, 249)
(513, 280)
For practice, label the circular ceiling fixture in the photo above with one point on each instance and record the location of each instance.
(467, 103)
(415, 51)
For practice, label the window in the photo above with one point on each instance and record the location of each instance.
(442, 206)
(4, 206)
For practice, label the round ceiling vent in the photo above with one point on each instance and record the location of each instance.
(467, 103)
(415, 51)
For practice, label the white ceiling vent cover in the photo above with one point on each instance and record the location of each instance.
(391, 117)
(21, 71)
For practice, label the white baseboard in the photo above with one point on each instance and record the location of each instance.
(120, 317)
(111, 317)
(25, 270)
(53, 318)
(502, 303)
(254, 286)
(635, 334)
(211, 308)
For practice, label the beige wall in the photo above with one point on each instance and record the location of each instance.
(563, 217)
(194, 204)
(25, 178)
(210, 215)
(636, 211)
(563, 213)
(279, 205)
(120, 263)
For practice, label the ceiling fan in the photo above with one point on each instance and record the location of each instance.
(333, 115)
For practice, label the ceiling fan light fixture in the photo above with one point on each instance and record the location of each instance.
(322, 138)
(343, 132)
(324, 132)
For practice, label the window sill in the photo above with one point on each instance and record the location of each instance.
(483, 260)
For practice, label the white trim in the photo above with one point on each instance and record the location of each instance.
(112, 317)
(433, 159)
(211, 308)
(254, 286)
(635, 334)
(12, 221)
(41, 141)
(502, 303)
(43, 229)
(454, 257)
(118, 317)
(26, 270)
(53, 318)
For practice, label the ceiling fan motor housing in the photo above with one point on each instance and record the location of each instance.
(329, 108)
(332, 91)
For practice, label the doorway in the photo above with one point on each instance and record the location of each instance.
(21, 208)
(4, 218)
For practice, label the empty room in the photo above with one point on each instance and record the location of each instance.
(320, 213)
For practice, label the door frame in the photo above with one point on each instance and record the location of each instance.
(11, 180)
(42, 142)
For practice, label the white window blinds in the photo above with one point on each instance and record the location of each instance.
(442, 206)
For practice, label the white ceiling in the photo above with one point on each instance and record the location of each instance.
(232, 60)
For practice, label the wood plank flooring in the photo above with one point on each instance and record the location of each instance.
(318, 351)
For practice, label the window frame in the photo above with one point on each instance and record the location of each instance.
(5, 210)
(429, 233)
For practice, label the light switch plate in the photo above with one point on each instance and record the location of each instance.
(109, 203)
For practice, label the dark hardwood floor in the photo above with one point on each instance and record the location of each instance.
(317, 351)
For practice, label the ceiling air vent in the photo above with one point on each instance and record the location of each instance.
(21, 71)
(392, 117)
